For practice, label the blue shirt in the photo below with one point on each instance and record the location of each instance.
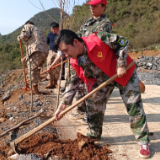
(50, 40)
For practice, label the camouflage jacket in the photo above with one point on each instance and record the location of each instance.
(117, 43)
(35, 40)
(92, 25)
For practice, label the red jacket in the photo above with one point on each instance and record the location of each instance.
(104, 58)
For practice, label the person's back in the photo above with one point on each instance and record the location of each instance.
(35, 40)
(50, 40)
(36, 51)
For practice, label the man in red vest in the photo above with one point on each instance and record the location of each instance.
(94, 59)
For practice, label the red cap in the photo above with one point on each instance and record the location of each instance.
(94, 2)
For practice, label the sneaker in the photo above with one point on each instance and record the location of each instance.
(77, 116)
(84, 120)
(144, 151)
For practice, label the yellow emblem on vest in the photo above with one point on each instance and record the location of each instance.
(99, 54)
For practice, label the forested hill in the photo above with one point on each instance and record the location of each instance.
(9, 47)
(41, 20)
(137, 20)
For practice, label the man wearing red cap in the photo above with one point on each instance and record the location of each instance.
(98, 22)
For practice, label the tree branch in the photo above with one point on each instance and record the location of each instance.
(46, 11)
(41, 111)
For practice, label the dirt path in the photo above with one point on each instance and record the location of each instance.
(116, 127)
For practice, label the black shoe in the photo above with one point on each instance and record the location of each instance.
(62, 78)
(63, 89)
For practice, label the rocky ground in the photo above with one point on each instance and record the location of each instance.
(15, 104)
(148, 65)
(15, 108)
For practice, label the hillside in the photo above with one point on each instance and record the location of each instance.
(9, 47)
(41, 20)
(137, 20)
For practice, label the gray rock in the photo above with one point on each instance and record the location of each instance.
(29, 157)
(36, 99)
(15, 87)
(149, 64)
(11, 118)
(37, 122)
(15, 108)
(6, 96)
(36, 104)
(20, 97)
(8, 88)
(154, 68)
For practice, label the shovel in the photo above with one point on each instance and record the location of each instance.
(51, 68)
(24, 73)
(18, 140)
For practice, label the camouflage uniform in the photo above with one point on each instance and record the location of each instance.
(96, 104)
(36, 47)
(90, 26)
(54, 73)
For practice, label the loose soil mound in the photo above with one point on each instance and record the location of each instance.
(79, 149)
(4, 152)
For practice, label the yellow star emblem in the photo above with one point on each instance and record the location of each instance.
(99, 54)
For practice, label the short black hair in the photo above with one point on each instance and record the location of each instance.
(54, 24)
(29, 22)
(67, 36)
(103, 6)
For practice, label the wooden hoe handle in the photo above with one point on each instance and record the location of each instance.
(67, 109)
(54, 67)
(24, 73)
(51, 69)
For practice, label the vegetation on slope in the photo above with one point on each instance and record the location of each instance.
(136, 20)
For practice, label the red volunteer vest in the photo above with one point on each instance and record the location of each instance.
(104, 58)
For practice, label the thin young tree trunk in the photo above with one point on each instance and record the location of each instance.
(30, 81)
(59, 85)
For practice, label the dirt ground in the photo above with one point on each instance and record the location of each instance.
(78, 149)
(66, 129)
(135, 55)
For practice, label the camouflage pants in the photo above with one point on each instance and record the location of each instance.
(54, 73)
(131, 95)
(37, 59)
(80, 94)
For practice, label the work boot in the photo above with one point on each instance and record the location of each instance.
(55, 84)
(35, 89)
(50, 85)
(144, 151)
